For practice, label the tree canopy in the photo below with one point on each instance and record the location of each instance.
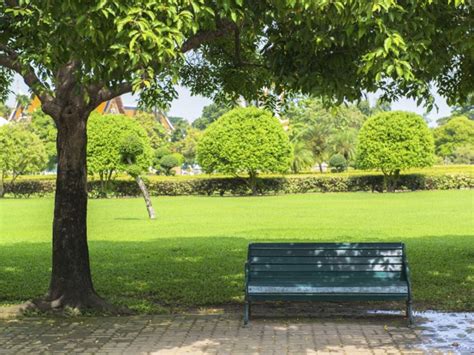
(111, 137)
(245, 141)
(394, 141)
(238, 47)
(457, 133)
(210, 113)
(21, 152)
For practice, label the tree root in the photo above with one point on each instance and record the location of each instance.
(75, 305)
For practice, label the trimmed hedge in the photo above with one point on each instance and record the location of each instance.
(267, 185)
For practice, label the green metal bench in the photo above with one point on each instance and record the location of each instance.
(327, 272)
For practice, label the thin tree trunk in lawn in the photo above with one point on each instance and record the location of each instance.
(71, 281)
(146, 196)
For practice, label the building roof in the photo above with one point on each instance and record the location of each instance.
(114, 106)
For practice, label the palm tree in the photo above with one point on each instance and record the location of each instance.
(302, 156)
(344, 142)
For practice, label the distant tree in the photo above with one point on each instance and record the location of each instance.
(245, 141)
(105, 137)
(394, 141)
(132, 148)
(338, 163)
(464, 154)
(455, 133)
(22, 152)
(302, 156)
(155, 131)
(181, 126)
(23, 100)
(4, 110)
(367, 109)
(167, 162)
(344, 142)
(188, 145)
(319, 127)
(466, 109)
(210, 113)
(44, 127)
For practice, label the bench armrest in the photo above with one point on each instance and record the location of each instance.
(246, 273)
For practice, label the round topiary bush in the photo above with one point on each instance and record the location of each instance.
(338, 163)
(245, 141)
(394, 141)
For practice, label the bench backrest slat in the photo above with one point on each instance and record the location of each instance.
(317, 261)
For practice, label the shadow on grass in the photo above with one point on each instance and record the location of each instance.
(168, 274)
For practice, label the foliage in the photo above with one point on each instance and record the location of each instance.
(181, 126)
(464, 154)
(22, 152)
(466, 109)
(394, 141)
(302, 156)
(111, 138)
(155, 131)
(4, 110)
(167, 163)
(177, 186)
(338, 163)
(325, 131)
(210, 113)
(344, 142)
(245, 141)
(457, 132)
(214, 234)
(188, 145)
(368, 110)
(44, 127)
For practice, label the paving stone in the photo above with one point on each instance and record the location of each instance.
(221, 334)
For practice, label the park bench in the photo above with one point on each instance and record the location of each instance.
(327, 272)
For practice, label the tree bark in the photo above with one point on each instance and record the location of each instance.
(2, 185)
(146, 196)
(253, 183)
(71, 281)
(320, 165)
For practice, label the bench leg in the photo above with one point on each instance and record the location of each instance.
(246, 312)
(411, 320)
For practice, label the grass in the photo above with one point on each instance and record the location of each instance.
(193, 254)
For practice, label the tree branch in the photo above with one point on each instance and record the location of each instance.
(100, 93)
(10, 60)
(223, 28)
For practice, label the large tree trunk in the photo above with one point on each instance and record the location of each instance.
(71, 282)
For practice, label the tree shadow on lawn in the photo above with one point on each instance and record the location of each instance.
(173, 274)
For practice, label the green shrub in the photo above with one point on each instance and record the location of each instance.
(267, 185)
(338, 163)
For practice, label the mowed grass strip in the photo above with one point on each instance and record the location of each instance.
(193, 254)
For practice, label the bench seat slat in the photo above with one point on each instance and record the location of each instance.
(337, 246)
(325, 252)
(328, 290)
(325, 260)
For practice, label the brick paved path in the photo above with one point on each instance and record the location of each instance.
(219, 334)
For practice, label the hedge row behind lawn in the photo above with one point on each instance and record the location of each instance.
(239, 186)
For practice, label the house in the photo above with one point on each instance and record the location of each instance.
(114, 106)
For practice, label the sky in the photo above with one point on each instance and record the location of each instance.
(190, 107)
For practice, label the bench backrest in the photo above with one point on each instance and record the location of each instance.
(326, 261)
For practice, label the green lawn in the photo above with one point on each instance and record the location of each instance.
(193, 254)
